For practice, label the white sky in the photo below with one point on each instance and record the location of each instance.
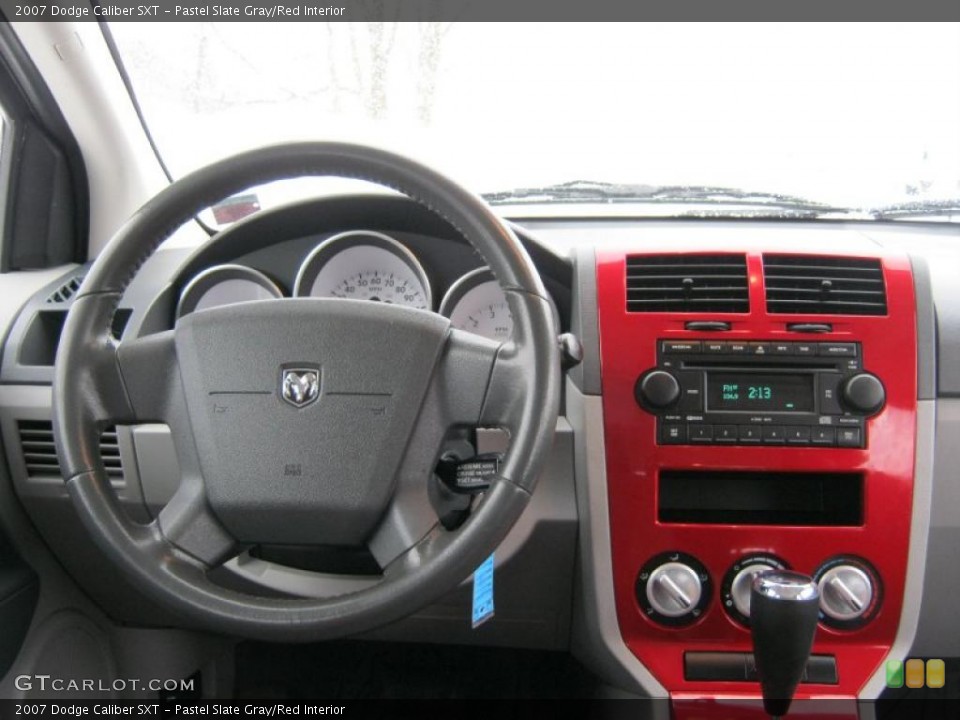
(850, 114)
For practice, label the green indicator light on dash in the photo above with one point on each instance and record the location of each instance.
(894, 673)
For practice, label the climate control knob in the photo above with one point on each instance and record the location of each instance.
(849, 593)
(738, 581)
(863, 393)
(657, 390)
(673, 589)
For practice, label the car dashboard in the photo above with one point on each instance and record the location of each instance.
(752, 394)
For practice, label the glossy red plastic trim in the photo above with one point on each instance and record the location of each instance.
(628, 348)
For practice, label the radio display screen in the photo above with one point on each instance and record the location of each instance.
(759, 392)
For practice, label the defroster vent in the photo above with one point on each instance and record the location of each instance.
(687, 283)
(812, 284)
(40, 453)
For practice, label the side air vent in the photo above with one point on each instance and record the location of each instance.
(687, 283)
(40, 453)
(67, 290)
(805, 284)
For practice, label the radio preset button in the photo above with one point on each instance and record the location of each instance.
(824, 436)
(774, 435)
(725, 434)
(849, 437)
(685, 347)
(749, 433)
(700, 433)
(798, 435)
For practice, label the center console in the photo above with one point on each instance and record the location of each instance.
(759, 413)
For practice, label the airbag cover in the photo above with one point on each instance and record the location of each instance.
(304, 469)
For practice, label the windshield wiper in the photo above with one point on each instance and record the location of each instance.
(920, 208)
(588, 191)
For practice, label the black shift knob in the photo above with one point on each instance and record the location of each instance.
(783, 619)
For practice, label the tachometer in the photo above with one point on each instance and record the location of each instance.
(476, 303)
(364, 265)
(225, 285)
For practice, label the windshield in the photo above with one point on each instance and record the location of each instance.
(859, 117)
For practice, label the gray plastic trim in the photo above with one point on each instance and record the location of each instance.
(926, 330)
(917, 553)
(585, 320)
(595, 633)
(938, 633)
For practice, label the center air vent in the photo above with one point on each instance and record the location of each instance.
(808, 284)
(687, 283)
(40, 453)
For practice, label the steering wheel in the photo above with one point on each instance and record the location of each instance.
(305, 421)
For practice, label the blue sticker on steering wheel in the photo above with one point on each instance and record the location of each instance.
(483, 592)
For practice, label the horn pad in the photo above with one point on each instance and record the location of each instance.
(302, 410)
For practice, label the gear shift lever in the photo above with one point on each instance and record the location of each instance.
(783, 619)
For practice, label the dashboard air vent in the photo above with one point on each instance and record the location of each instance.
(687, 283)
(67, 290)
(40, 453)
(806, 284)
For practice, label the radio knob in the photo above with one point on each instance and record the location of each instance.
(674, 590)
(863, 393)
(657, 389)
(846, 593)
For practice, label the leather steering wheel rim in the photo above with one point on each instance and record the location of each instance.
(98, 383)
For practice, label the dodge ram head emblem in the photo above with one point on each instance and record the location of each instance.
(300, 386)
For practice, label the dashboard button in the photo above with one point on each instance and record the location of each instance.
(824, 436)
(725, 434)
(838, 349)
(782, 348)
(715, 347)
(761, 348)
(830, 393)
(676, 347)
(804, 348)
(701, 433)
(749, 433)
(798, 435)
(673, 434)
(691, 392)
(774, 435)
(738, 348)
(848, 437)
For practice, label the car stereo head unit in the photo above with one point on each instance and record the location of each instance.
(760, 392)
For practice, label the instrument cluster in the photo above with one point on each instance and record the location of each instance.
(361, 265)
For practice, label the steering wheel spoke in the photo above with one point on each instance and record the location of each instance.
(188, 523)
(150, 376)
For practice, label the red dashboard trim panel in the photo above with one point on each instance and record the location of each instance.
(634, 459)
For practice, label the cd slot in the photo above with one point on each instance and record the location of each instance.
(790, 364)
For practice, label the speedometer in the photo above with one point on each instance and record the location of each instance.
(476, 303)
(364, 265)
